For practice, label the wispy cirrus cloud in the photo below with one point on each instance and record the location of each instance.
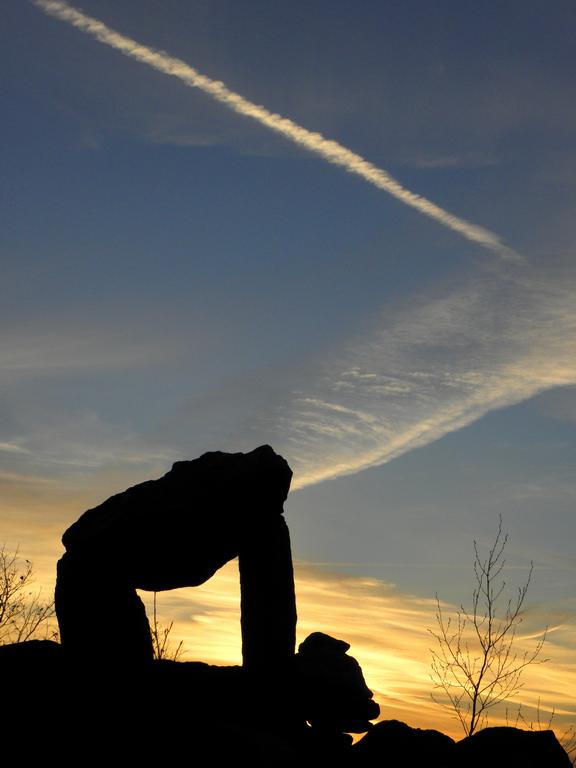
(428, 370)
(329, 150)
(43, 350)
(80, 443)
(13, 448)
(450, 161)
(427, 367)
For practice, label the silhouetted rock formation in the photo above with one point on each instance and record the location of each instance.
(147, 713)
(396, 744)
(176, 532)
(509, 747)
(392, 742)
(107, 702)
(332, 687)
(152, 714)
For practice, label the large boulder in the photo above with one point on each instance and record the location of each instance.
(394, 743)
(505, 747)
(178, 530)
(332, 691)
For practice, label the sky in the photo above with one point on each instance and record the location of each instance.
(342, 229)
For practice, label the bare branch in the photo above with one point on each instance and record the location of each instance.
(475, 664)
(24, 615)
(161, 643)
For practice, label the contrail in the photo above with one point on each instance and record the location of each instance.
(314, 142)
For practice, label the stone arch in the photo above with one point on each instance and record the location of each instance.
(177, 531)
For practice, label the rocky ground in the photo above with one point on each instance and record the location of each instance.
(162, 712)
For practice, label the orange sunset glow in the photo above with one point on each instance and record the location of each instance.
(289, 297)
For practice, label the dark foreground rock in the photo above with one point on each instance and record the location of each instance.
(331, 686)
(216, 716)
(394, 743)
(511, 747)
(100, 698)
(154, 712)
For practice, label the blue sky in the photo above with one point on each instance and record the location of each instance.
(177, 278)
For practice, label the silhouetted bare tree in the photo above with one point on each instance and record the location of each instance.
(23, 613)
(476, 663)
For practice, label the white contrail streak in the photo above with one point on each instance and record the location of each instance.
(314, 142)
